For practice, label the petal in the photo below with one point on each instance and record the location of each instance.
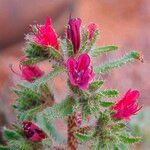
(71, 64)
(83, 61)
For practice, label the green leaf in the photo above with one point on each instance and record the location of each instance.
(116, 63)
(10, 134)
(69, 48)
(106, 104)
(56, 71)
(110, 93)
(54, 54)
(83, 137)
(106, 94)
(60, 110)
(51, 130)
(4, 147)
(96, 85)
(118, 127)
(98, 51)
(130, 139)
(31, 61)
(29, 114)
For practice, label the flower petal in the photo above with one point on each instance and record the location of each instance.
(83, 61)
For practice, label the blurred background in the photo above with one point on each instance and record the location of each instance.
(122, 22)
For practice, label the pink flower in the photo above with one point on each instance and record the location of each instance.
(33, 132)
(29, 72)
(92, 27)
(73, 33)
(46, 35)
(127, 106)
(80, 71)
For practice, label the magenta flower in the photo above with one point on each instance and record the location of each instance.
(29, 72)
(92, 27)
(80, 71)
(33, 132)
(127, 106)
(73, 33)
(46, 35)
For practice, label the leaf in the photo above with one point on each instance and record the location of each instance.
(51, 130)
(11, 134)
(98, 51)
(130, 139)
(4, 147)
(45, 118)
(116, 63)
(83, 137)
(56, 71)
(31, 61)
(60, 110)
(106, 104)
(54, 54)
(110, 93)
(29, 114)
(92, 42)
(96, 85)
(69, 48)
(118, 127)
(106, 94)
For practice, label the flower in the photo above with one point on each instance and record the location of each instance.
(46, 35)
(127, 106)
(29, 72)
(73, 33)
(80, 71)
(92, 27)
(33, 132)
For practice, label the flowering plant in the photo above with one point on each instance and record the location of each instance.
(90, 116)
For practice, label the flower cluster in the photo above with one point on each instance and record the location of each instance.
(85, 96)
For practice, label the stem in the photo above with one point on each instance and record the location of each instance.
(72, 125)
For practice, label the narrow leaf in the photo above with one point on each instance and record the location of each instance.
(83, 137)
(98, 51)
(116, 63)
(96, 85)
(56, 71)
(130, 140)
(106, 104)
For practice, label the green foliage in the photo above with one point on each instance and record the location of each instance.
(31, 61)
(129, 139)
(60, 110)
(84, 137)
(92, 42)
(96, 85)
(27, 99)
(98, 51)
(29, 114)
(35, 52)
(56, 71)
(110, 93)
(11, 134)
(116, 63)
(106, 103)
(118, 127)
(4, 147)
(45, 118)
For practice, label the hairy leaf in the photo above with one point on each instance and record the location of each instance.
(116, 63)
(98, 51)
